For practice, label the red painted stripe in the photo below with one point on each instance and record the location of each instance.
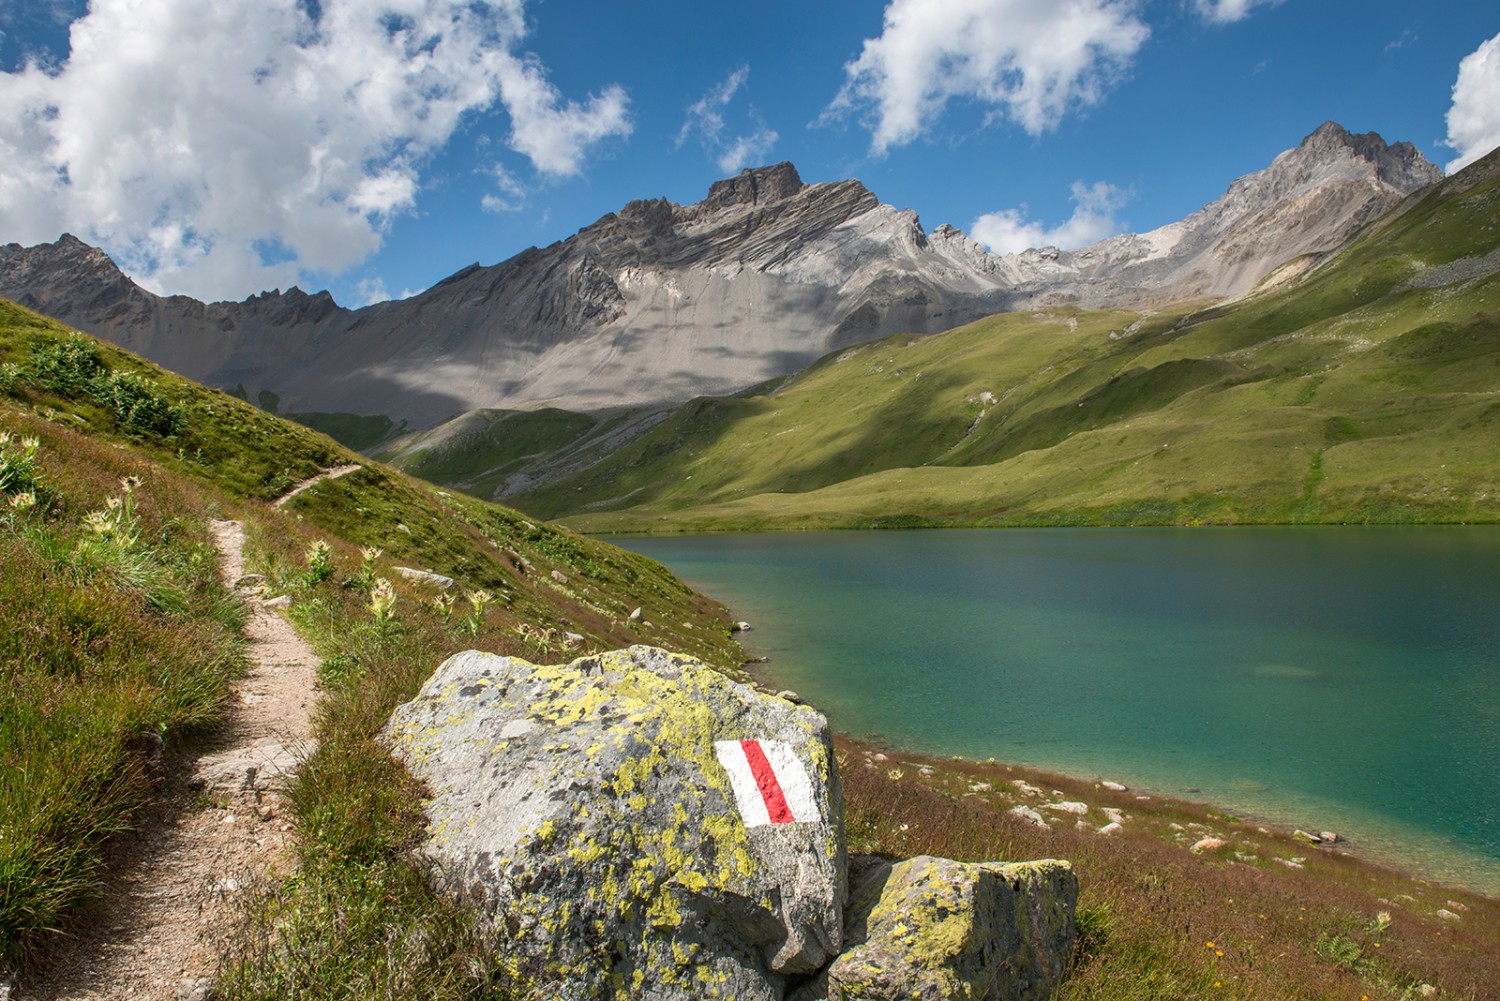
(765, 779)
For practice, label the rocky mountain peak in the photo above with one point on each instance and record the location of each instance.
(1400, 164)
(755, 186)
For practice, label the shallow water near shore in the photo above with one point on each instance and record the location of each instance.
(1327, 678)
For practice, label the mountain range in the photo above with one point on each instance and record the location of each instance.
(658, 303)
(1363, 388)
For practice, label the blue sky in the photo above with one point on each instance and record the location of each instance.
(374, 147)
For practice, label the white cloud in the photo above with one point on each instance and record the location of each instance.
(1009, 232)
(1474, 119)
(1229, 11)
(218, 149)
(705, 119)
(1408, 38)
(510, 193)
(369, 291)
(1027, 61)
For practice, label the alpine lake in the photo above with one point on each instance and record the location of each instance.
(1329, 678)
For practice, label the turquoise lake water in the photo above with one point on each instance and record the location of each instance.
(1329, 678)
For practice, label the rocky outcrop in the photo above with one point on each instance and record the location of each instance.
(929, 928)
(634, 824)
(660, 302)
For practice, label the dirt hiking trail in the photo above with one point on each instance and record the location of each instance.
(156, 933)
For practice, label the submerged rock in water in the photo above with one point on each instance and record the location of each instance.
(931, 928)
(633, 823)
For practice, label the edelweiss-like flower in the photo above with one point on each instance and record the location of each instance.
(23, 501)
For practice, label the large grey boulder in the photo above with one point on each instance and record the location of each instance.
(931, 929)
(633, 824)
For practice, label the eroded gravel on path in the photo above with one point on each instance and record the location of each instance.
(216, 829)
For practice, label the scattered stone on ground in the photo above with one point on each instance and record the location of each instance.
(425, 577)
(1030, 816)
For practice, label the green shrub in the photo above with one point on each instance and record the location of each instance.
(73, 368)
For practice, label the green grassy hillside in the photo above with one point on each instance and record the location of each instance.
(117, 642)
(1367, 390)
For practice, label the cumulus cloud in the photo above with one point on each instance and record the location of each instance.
(1009, 232)
(1474, 119)
(705, 121)
(218, 149)
(1229, 11)
(1026, 61)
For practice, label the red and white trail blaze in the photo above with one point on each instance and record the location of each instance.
(770, 783)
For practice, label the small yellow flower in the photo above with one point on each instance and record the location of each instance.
(895, 774)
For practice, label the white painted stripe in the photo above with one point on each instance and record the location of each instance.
(791, 775)
(746, 793)
(795, 785)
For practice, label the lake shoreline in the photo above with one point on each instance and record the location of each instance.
(1299, 675)
(1040, 776)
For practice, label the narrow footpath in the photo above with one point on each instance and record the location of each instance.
(216, 830)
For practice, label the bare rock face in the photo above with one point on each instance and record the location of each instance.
(1310, 200)
(659, 303)
(633, 824)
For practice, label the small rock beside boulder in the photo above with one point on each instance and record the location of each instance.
(931, 928)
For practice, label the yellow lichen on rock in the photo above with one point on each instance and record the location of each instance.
(626, 861)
